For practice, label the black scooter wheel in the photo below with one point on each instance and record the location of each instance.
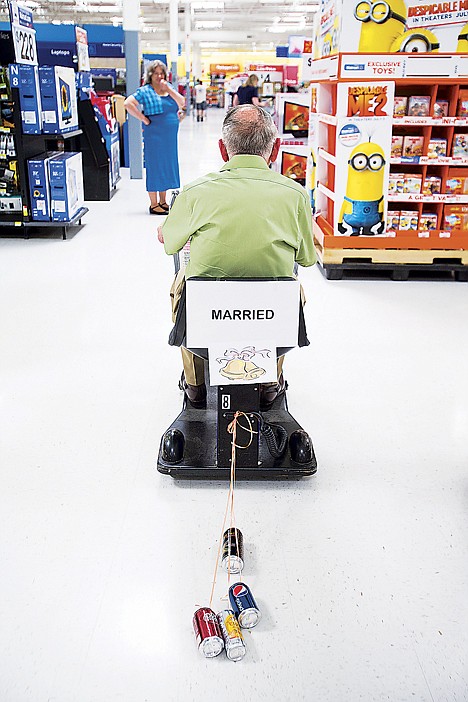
(300, 447)
(173, 446)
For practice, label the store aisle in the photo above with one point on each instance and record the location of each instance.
(361, 572)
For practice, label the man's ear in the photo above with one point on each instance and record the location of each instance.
(275, 149)
(223, 150)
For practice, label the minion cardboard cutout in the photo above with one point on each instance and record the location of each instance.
(382, 24)
(462, 46)
(416, 41)
(406, 26)
(363, 205)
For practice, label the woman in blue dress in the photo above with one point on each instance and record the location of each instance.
(158, 106)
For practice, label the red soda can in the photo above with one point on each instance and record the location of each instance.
(208, 634)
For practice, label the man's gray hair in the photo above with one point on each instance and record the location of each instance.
(248, 129)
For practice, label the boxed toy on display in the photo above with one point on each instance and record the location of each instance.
(58, 97)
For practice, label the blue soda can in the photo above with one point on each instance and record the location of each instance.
(244, 605)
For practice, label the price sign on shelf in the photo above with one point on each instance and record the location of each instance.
(24, 34)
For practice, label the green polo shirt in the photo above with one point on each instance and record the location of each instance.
(244, 221)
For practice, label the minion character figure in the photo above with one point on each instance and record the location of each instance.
(366, 171)
(312, 179)
(462, 46)
(335, 36)
(327, 45)
(382, 24)
(416, 41)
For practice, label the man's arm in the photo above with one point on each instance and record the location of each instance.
(305, 255)
(177, 229)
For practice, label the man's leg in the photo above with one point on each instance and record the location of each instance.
(194, 368)
(193, 382)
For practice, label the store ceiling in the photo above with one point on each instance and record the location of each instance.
(216, 24)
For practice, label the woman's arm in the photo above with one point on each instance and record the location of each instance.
(235, 100)
(257, 103)
(133, 108)
(177, 97)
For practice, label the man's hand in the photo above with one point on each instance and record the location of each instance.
(160, 235)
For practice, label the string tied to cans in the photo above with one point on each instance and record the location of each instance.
(215, 632)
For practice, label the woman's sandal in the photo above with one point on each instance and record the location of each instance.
(158, 210)
(164, 205)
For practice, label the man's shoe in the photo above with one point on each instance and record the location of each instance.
(269, 393)
(196, 394)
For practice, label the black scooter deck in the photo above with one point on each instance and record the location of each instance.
(199, 427)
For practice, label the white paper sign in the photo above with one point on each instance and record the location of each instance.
(240, 365)
(228, 312)
(24, 34)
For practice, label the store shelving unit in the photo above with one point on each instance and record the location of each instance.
(215, 91)
(435, 250)
(29, 146)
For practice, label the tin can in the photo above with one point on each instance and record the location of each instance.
(244, 605)
(208, 634)
(232, 558)
(232, 635)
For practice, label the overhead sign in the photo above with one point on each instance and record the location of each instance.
(24, 35)
(57, 55)
(106, 49)
(225, 68)
(243, 311)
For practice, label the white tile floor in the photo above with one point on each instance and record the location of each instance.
(361, 571)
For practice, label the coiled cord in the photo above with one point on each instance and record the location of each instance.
(276, 437)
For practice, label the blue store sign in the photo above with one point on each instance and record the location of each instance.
(57, 54)
(106, 49)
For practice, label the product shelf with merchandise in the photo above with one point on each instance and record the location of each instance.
(42, 176)
(391, 165)
(16, 196)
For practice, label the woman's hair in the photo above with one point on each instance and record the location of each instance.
(248, 129)
(252, 80)
(151, 68)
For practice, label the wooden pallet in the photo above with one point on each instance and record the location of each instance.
(397, 264)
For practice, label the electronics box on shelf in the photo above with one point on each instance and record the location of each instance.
(10, 203)
(292, 162)
(26, 79)
(58, 95)
(39, 187)
(292, 115)
(66, 186)
(84, 84)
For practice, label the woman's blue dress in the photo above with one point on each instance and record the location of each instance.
(161, 148)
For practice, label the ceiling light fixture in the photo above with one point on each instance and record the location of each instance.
(208, 5)
(208, 24)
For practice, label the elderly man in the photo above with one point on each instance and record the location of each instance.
(244, 221)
